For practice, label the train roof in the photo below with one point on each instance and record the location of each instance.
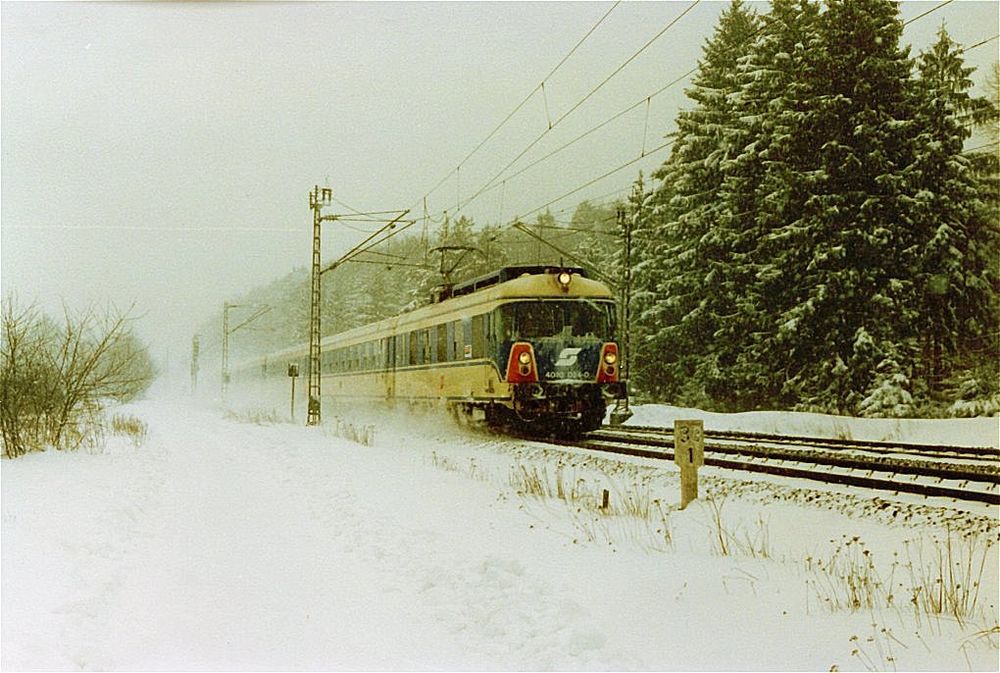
(510, 273)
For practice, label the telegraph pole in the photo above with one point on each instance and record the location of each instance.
(225, 349)
(626, 357)
(195, 348)
(621, 412)
(318, 198)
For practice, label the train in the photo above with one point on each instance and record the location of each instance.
(530, 349)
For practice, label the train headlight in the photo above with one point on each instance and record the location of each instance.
(607, 370)
(564, 278)
(521, 364)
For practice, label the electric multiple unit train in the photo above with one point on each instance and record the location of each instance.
(528, 349)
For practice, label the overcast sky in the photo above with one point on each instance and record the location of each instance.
(163, 154)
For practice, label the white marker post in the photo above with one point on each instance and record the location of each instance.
(689, 454)
(293, 373)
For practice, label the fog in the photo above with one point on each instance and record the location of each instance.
(161, 154)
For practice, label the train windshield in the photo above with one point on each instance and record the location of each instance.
(561, 318)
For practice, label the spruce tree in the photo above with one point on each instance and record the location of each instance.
(676, 275)
(955, 235)
(845, 306)
(765, 185)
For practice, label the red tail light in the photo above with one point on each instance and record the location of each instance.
(521, 364)
(607, 367)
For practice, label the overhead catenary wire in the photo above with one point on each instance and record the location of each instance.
(493, 185)
(979, 44)
(973, 150)
(929, 11)
(601, 177)
(367, 244)
(580, 102)
(139, 227)
(627, 61)
(520, 105)
(618, 191)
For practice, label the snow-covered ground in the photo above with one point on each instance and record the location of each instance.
(224, 544)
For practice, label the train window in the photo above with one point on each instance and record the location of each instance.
(466, 338)
(478, 334)
(455, 340)
(413, 348)
(442, 343)
(540, 319)
(400, 349)
(490, 331)
(427, 346)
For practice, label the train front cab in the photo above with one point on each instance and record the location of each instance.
(558, 354)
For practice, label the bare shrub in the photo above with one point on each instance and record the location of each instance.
(55, 379)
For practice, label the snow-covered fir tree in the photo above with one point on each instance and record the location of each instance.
(955, 235)
(765, 185)
(679, 303)
(853, 227)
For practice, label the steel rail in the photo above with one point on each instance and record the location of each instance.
(663, 450)
(940, 470)
(823, 442)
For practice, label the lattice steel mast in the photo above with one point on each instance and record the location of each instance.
(318, 198)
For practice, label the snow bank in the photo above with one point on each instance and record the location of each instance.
(952, 431)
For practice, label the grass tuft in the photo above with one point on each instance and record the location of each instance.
(129, 426)
(937, 578)
(257, 416)
(359, 434)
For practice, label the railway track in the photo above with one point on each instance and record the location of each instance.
(960, 473)
(834, 444)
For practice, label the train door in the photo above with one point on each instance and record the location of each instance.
(389, 367)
